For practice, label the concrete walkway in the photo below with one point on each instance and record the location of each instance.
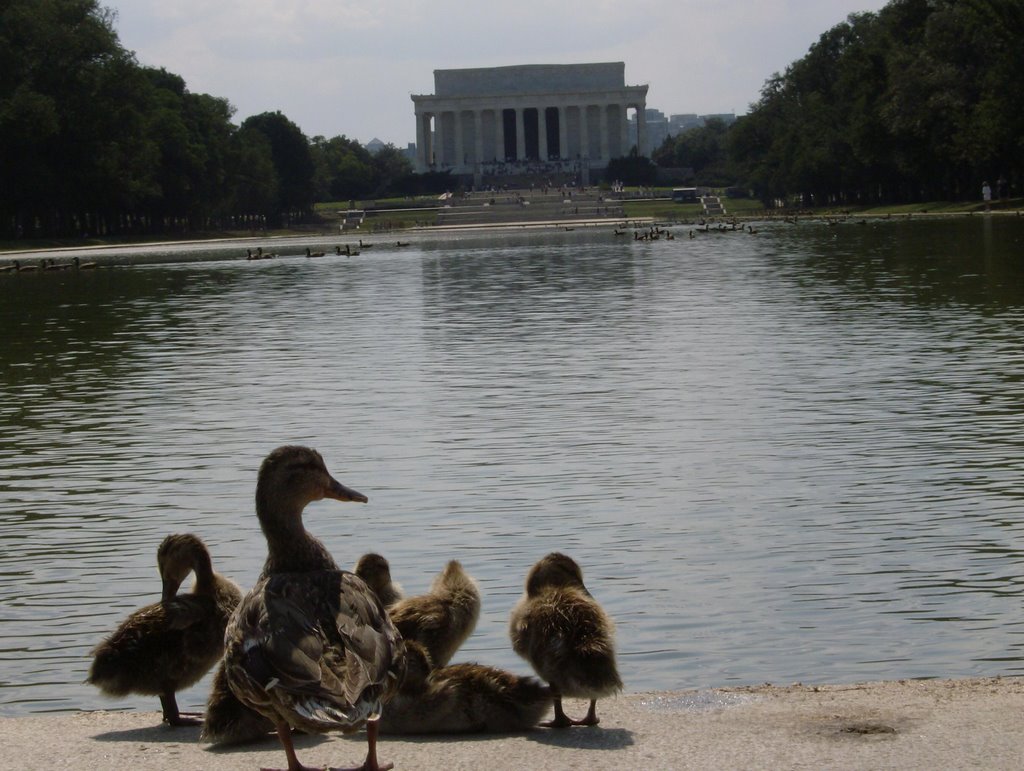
(927, 725)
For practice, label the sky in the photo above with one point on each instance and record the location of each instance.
(349, 67)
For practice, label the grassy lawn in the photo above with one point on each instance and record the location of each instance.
(383, 214)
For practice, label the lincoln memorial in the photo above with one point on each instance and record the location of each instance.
(549, 114)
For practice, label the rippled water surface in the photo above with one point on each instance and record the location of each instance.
(795, 455)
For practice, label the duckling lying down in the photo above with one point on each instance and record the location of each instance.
(462, 698)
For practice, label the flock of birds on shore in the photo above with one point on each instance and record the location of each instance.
(342, 251)
(17, 266)
(315, 648)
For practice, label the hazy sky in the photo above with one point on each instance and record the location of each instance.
(347, 67)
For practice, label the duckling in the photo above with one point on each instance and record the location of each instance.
(310, 646)
(462, 698)
(169, 645)
(228, 721)
(376, 572)
(442, 618)
(566, 636)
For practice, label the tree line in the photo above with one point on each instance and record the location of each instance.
(93, 143)
(918, 101)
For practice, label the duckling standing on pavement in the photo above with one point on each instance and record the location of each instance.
(169, 645)
(442, 618)
(462, 698)
(310, 646)
(566, 636)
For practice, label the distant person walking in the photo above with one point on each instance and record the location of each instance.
(986, 195)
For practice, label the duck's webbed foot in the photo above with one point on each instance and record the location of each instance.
(370, 764)
(591, 718)
(561, 720)
(184, 718)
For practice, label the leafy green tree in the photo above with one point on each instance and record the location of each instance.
(391, 167)
(55, 56)
(632, 169)
(702, 149)
(293, 162)
(916, 101)
(344, 169)
(253, 179)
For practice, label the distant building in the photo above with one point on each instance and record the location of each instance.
(657, 131)
(728, 118)
(553, 114)
(374, 146)
(659, 128)
(677, 124)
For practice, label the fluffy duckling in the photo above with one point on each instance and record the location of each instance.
(566, 636)
(462, 698)
(376, 572)
(228, 721)
(169, 645)
(442, 618)
(310, 646)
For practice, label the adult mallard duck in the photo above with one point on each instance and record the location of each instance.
(566, 636)
(169, 645)
(442, 618)
(462, 698)
(310, 646)
(376, 572)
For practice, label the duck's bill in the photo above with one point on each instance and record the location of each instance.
(339, 492)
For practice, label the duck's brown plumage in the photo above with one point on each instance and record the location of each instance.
(442, 618)
(566, 636)
(376, 572)
(463, 698)
(310, 646)
(169, 645)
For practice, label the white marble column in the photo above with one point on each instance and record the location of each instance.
(422, 150)
(460, 153)
(439, 139)
(499, 134)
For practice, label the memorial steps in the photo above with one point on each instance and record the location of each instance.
(508, 206)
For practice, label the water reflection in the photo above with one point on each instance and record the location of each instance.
(790, 456)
